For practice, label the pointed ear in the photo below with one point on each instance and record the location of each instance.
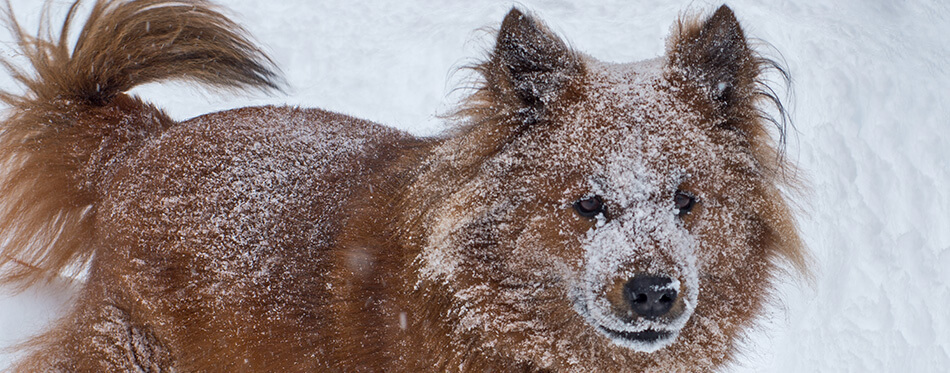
(716, 55)
(529, 66)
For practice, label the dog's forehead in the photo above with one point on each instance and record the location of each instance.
(636, 99)
(634, 125)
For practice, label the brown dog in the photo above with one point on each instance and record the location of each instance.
(580, 216)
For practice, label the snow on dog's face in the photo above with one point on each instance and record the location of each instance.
(633, 162)
(601, 214)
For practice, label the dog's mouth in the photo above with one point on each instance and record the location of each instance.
(653, 337)
(647, 336)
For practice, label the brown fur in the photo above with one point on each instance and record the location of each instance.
(284, 239)
(51, 179)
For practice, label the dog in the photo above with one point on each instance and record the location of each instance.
(576, 216)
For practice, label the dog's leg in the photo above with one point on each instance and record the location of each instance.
(102, 334)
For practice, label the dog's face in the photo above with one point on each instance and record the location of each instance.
(637, 150)
(620, 217)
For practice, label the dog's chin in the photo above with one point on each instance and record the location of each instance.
(650, 340)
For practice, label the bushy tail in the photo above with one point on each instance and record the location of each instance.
(73, 121)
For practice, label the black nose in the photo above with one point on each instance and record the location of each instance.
(650, 296)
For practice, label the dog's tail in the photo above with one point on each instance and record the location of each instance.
(60, 137)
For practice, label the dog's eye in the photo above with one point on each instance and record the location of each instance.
(684, 203)
(589, 207)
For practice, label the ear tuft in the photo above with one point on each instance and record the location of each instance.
(715, 53)
(530, 64)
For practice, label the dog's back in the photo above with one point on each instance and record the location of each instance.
(226, 221)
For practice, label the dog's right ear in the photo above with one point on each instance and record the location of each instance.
(530, 66)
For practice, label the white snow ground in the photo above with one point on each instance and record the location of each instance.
(870, 104)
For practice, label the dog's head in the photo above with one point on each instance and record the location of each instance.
(593, 214)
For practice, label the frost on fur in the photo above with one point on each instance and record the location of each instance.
(580, 216)
(551, 127)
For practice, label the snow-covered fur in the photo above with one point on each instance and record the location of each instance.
(579, 216)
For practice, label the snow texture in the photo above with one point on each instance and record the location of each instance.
(869, 103)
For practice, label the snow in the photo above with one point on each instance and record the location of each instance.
(868, 102)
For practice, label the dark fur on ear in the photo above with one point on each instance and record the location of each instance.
(715, 54)
(528, 68)
(531, 61)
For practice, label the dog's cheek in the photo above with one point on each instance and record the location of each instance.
(550, 240)
(722, 236)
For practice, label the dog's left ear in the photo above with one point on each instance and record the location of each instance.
(530, 66)
(716, 55)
